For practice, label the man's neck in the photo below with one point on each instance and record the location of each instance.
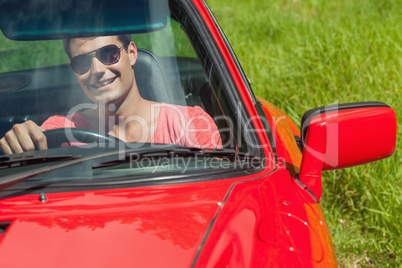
(134, 119)
(137, 123)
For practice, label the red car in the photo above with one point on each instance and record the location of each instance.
(252, 200)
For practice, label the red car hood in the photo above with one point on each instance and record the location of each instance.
(143, 227)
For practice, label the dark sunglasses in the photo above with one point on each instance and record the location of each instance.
(107, 55)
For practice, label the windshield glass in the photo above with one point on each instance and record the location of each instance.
(88, 73)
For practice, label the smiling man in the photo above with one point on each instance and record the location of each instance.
(104, 69)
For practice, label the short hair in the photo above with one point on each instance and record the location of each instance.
(125, 39)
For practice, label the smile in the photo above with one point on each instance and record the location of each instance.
(101, 84)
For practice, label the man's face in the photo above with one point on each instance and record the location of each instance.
(105, 83)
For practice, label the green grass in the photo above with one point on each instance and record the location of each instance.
(303, 54)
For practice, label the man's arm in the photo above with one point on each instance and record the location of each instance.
(23, 137)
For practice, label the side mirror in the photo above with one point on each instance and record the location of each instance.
(345, 135)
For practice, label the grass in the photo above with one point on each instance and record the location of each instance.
(303, 54)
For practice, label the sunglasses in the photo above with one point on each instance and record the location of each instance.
(107, 55)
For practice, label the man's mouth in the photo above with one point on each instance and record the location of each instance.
(99, 85)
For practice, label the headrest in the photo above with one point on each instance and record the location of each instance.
(158, 79)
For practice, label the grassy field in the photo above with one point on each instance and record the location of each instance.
(304, 54)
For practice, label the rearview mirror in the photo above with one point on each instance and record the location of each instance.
(59, 19)
(345, 135)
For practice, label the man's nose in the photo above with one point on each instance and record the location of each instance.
(97, 67)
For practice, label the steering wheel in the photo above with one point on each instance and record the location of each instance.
(59, 136)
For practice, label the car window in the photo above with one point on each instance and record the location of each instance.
(171, 41)
(174, 66)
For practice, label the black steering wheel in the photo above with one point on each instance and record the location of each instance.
(60, 136)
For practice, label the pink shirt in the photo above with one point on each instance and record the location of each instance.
(180, 125)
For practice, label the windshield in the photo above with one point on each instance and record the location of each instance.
(81, 75)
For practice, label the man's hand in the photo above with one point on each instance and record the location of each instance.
(23, 137)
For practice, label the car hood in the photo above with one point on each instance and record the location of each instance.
(147, 226)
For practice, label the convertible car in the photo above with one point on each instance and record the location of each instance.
(102, 202)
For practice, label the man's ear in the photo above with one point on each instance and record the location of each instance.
(132, 53)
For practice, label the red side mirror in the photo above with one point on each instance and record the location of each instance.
(345, 135)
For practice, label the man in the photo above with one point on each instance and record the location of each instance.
(104, 69)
